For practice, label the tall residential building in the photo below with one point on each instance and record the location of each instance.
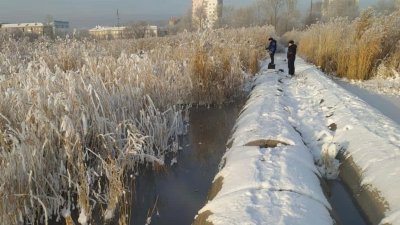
(342, 8)
(205, 13)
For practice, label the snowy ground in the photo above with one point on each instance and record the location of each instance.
(288, 136)
(387, 103)
(378, 85)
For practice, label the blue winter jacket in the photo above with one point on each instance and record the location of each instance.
(272, 46)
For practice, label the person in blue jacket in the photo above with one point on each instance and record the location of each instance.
(271, 49)
(291, 56)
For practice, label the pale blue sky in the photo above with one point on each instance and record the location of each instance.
(88, 13)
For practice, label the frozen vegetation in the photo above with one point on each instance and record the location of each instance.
(366, 48)
(78, 116)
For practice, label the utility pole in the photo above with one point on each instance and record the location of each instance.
(117, 18)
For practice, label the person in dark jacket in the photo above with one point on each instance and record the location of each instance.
(291, 56)
(271, 49)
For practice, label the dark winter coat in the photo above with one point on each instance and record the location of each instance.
(291, 52)
(272, 46)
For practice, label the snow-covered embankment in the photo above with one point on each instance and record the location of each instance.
(268, 175)
(369, 141)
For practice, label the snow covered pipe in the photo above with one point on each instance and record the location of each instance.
(267, 175)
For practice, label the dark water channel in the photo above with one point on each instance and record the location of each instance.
(345, 209)
(178, 193)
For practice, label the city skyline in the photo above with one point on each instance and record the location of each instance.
(89, 13)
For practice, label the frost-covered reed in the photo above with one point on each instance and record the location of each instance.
(361, 49)
(75, 116)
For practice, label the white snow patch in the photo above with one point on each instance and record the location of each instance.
(262, 117)
(109, 214)
(66, 213)
(269, 186)
(381, 85)
(174, 161)
(370, 138)
(83, 218)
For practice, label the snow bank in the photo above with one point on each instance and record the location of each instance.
(268, 175)
(367, 137)
(382, 85)
(263, 117)
(269, 186)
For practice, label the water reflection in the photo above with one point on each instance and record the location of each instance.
(181, 191)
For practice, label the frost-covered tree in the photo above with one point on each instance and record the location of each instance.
(272, 9)
(291, 20)
(340, 8)
(239, 17)
(387, 6)
(200, 17)
(314, 13)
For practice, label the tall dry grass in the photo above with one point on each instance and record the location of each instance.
(359, 49)
(76, 116)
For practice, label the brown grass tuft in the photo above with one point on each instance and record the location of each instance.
(356, 50)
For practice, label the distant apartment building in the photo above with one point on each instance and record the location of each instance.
(108, 32)
(151, 31)
(60, 27)
(205, 13)
(28, 28)
(342, 8)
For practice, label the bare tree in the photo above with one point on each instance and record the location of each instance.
(272, 8)
(136, 29)
(199, 19)
(184, 23)
(314, 14)
(240, 17)
(290, 5)
(48, 19)
(340, 8)
(387, 6)
(227, 15)
(290, 13)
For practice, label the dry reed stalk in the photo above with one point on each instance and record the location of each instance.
(115, 187)
(69, 221)
(356, 50)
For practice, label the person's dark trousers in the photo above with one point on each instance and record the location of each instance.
(272, 57)
(291, 66)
